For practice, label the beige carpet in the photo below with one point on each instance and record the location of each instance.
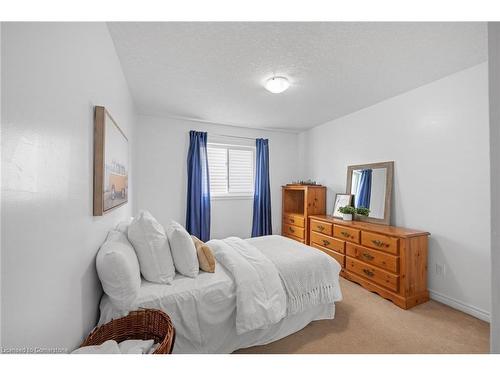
(367, 323)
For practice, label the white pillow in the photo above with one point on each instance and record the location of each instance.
(183, 250)
(122, 226)
(151, 245)
(136, 346)
(107, 347)
(118, 270)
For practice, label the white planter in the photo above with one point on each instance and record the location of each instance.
(347, 217)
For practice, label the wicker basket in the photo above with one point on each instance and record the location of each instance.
(145, 324)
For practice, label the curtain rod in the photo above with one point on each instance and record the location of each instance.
(231, 136)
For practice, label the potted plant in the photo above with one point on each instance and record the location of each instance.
(362, 211)
(347, 212)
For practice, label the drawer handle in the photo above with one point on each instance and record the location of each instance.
(291, 229)
(326, 242)
(379, 243)
(346, 234)
(368, 256)
(292, 221)
(321, 228)
(367, 272)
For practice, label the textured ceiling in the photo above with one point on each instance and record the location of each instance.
(215, 71)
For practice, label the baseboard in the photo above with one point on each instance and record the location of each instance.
(461, 306)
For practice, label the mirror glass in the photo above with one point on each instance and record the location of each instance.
(368, 186)
(371, 187)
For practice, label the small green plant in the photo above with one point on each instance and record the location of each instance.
(363, 211)
(347, 210)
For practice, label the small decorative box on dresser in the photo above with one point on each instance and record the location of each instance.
(388, 260)
(300, 201)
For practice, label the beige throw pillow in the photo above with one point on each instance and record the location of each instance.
(206, 258)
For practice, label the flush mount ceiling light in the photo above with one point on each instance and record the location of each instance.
(277, 85)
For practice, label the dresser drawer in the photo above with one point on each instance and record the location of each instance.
(321, 227)
(380, 242)
(345, 233)
(374, 257)
(294, 238)
(338, 257)
(294, 220)
(375, 274)
(328, 242)
(293, 230)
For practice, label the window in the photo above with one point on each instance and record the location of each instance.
(231, 170)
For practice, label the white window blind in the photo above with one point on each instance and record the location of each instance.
(231, 170)
(217, 170)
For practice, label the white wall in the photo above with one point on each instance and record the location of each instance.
(52, 76)
(1, 288)
(437, 136)
(161, 173)
(494, 90)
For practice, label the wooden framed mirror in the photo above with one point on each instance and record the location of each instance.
(371, 186)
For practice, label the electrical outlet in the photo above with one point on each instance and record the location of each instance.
(440, 269)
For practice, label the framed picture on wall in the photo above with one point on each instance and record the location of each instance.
(111, 164)
(341, 200)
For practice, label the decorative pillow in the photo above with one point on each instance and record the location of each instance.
(153, 251)
(183, 250)
(118, 270)
(122, 226)
(206, 258)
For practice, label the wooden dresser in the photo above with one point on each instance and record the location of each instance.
(300, 201)
(388, 260)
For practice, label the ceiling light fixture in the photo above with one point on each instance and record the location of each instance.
(277, 85)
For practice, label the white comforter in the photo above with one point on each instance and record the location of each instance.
(260, 298)
(271, 280)
(205, 309)
(310, 277)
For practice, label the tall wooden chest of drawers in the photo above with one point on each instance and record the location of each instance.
(388, 260)
(300, 201)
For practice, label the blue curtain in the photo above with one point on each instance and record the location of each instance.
(364, 189)
(261, 225)
(198, 190)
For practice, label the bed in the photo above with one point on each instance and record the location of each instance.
(263, 289)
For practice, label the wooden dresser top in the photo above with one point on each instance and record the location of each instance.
(302, 187)
(388, 230)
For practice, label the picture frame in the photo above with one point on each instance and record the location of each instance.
(111, 163)
(341, 200)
